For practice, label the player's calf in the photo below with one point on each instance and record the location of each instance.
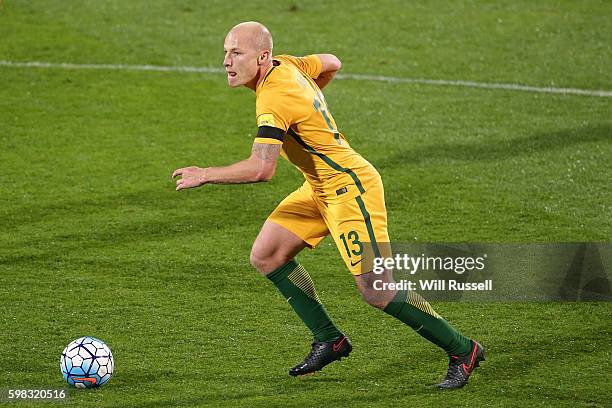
(371, 293)
(374, 299)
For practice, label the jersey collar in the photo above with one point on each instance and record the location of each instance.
(274, 64)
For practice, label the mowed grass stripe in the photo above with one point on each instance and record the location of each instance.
(356, 77)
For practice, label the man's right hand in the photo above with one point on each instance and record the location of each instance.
(190, 177)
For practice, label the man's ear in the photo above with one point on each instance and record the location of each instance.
(263, 57)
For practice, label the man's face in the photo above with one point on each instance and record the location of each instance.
(240, 60)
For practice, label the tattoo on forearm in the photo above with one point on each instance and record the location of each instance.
(266, 152)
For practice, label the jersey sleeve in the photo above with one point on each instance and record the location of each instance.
(273, 117)
(310, 64)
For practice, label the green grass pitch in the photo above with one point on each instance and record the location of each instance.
(95, 241)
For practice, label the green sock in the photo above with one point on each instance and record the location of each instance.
(412, 309)
(297, 287)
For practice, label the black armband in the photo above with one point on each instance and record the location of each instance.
(271, 132)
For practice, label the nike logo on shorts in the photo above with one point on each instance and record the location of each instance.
(355, 263)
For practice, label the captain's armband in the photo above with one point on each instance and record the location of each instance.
(269, 135)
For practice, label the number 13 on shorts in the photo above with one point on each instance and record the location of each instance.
(351, 248)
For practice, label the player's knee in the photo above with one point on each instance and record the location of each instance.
(265, 261)
(259, 261)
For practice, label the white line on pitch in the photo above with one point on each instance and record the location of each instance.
(358, 77)
(112, 67)
(473, 84)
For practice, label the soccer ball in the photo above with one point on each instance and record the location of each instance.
(86, 363)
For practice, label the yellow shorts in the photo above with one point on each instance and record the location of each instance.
(357, 222)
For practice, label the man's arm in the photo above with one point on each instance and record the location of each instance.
(330, 65)
(260, 166)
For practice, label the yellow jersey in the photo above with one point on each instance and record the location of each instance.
(291, 110)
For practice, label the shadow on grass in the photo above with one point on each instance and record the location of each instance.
(57, 229)
(493, 150)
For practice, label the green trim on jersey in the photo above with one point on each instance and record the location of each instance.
(327, 160)
(336, 166)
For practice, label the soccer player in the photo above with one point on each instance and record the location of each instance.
(342, 197)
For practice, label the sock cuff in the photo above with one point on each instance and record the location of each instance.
(302, 280)
(396, 304)
(283, 271)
